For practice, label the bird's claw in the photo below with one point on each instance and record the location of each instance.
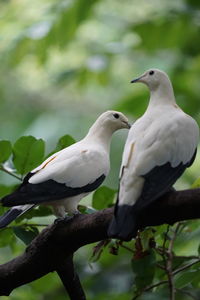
(62, 219)
(66, 218)
(76, 213)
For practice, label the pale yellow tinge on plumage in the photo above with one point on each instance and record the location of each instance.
(83, 162)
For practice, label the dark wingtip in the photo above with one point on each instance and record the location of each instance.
(112, 233)
(9, 216)
(123, 225)
(116, 233)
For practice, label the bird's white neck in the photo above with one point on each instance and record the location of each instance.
(162, 95)
(101, 133)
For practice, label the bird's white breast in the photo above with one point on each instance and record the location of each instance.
(161, 135)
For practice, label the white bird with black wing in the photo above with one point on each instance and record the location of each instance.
(160, 146)
(68, 175)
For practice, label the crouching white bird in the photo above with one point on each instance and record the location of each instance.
(160, 146)
(68, 175)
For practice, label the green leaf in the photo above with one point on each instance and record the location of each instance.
(18, 49)
(5, 150)
(6, 190)
(185, 279)
(156, 295)
(193, 3)
(145, 237)
(26, 234)
(41, 211)
(196, 184)
(103, 197)
(86, 209)
(126, 103)
(28, 153)
(179, 261)
(65, 141)
(70, 17)
(181, 33)
(144, 269)
(195, 282)
(67, 75)
(6, 237)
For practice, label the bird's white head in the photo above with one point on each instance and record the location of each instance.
(107, 123)
(153, 78)
(114, 120)
(159, 85)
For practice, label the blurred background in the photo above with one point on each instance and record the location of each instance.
(63, 63)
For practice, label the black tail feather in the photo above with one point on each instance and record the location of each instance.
(9, 216)
(12, 214)
(124, 224)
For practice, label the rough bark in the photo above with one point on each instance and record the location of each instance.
(70, 279)
(56, 243)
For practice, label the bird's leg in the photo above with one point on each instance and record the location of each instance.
(67, 217)
(76, 213)
(59, 212)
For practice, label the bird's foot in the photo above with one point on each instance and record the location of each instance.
(63, 219)
(76, 213)
(73, 213)
(67, 218)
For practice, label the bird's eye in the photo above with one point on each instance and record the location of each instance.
(116, 116)
(151, 72)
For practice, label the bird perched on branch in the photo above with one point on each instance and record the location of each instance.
(64, 178)
(160, 146)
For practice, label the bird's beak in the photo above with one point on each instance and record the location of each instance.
(139, 79)
(128, 125)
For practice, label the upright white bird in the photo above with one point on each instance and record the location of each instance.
(67, 176)
(160, 146)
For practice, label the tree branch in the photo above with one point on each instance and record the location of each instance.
(3, 169)
(70, 279)
(55, 243)
(169, 263)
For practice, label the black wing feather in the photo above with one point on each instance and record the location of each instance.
(49, 190)
(157, 182)
(12, 214)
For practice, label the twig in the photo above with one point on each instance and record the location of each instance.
(27, 225)
(125, 247)
(187, 257)
(98, 250)
(187, 293)
(160, 266)
(165, 239)
(3, 169)
(185, 267)
(32, 224)
(150, 287)
(163, 252)
(169, 263)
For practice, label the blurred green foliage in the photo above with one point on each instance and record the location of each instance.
(62, 64)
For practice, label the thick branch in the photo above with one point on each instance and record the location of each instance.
(58, 241)
(70, 279)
